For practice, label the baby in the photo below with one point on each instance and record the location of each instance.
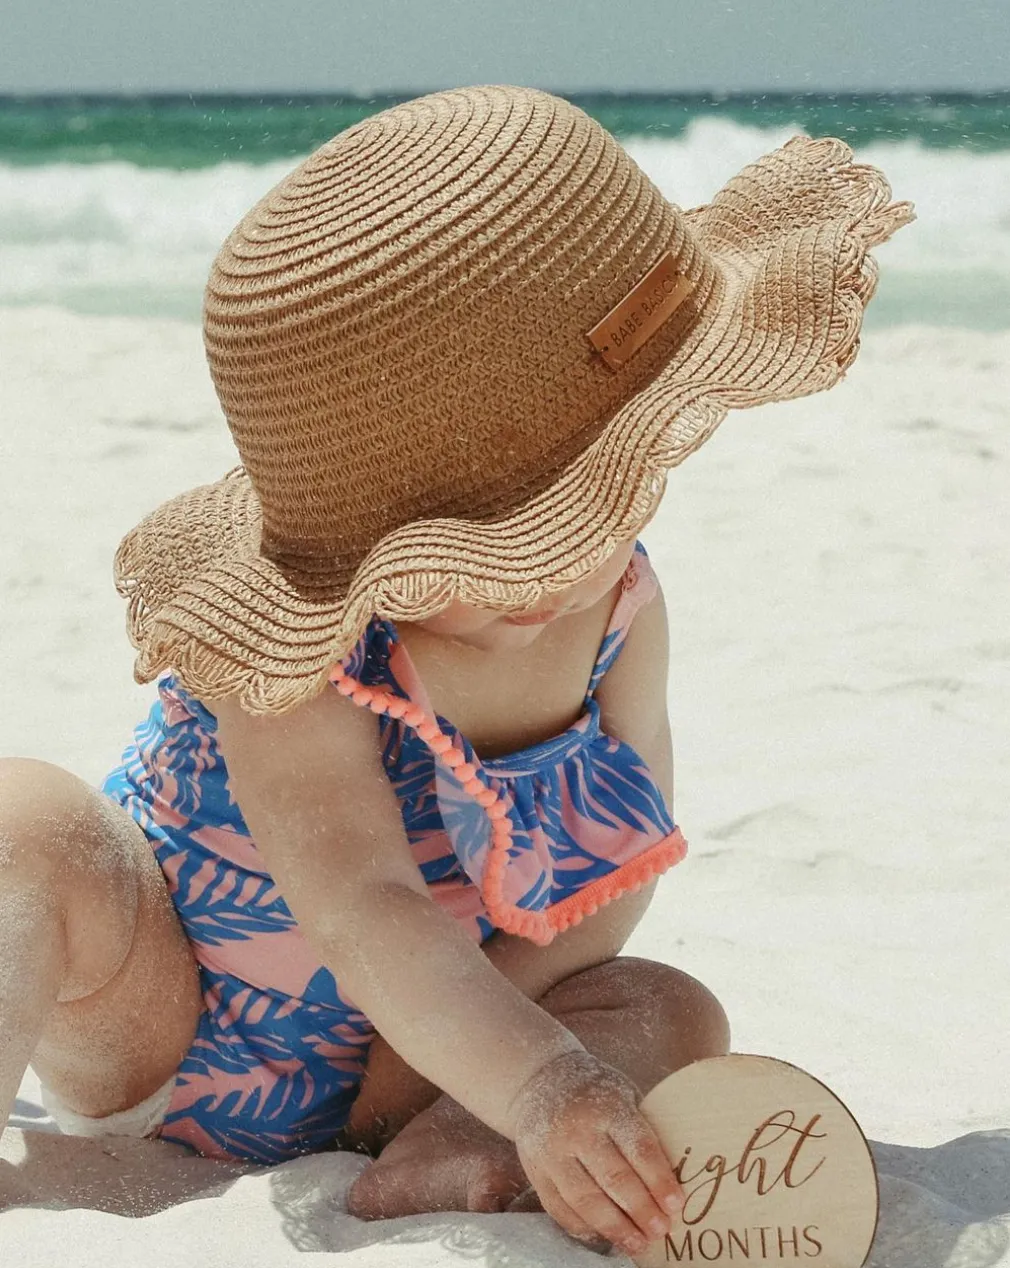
(364, 874)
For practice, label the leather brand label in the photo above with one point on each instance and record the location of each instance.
(640, 314)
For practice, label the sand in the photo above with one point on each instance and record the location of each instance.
(836, 571)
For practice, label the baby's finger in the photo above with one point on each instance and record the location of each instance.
(593, 1205)
(616, 1176)
(527, 1200)
(559, 1210)
(640, 1145)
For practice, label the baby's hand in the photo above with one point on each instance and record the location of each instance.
(594, 1161)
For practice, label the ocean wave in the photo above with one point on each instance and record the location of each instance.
(123, 240)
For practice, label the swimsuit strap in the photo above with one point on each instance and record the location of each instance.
(638, 587)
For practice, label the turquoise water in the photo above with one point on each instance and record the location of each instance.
(116, 206)
(192, 131)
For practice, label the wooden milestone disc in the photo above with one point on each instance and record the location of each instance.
(775, 1169)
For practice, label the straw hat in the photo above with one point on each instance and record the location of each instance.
(459, 347)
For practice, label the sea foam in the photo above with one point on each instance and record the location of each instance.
(116, 239)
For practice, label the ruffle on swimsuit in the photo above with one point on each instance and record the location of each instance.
(547, 834)
(529, 843)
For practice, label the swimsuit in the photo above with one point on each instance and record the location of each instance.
(279, 1051)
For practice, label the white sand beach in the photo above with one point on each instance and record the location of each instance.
(837, 571)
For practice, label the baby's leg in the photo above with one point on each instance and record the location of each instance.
(98, 986)
(644, 1018)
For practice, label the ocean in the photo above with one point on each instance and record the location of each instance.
(117, 205)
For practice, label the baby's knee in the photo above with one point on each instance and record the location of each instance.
(666, 994)
(61, 838)
(33, 802)
(693, 1003)
(68, 851)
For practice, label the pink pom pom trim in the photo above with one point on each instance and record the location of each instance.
(540, 927)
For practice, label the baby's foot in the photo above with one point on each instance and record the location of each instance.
(443, 1160)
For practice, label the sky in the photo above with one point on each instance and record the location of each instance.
(369, 46)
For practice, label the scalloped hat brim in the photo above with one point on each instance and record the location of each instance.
(204, 601)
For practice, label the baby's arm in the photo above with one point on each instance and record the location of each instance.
(313, 791)
(392, 1093)
(633, 708)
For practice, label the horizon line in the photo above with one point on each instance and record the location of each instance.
(407, 94)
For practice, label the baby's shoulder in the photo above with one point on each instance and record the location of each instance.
(314, 731)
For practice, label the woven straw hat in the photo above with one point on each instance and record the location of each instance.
(459, 347)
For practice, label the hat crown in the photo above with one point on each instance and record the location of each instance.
(398, 329)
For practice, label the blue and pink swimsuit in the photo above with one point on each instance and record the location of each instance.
(529, 843)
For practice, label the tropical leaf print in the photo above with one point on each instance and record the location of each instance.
(217, 904)
(265, 1080)
(611, 785)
